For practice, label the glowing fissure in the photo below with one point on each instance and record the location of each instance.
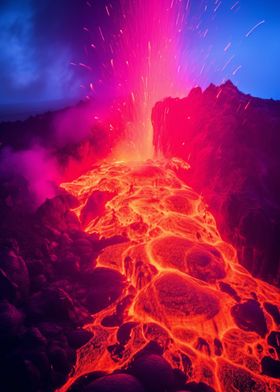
(182, 284)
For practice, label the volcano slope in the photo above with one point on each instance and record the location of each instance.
(172, 307)
(231, 141)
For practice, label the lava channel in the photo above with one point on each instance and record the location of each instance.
(177, 282)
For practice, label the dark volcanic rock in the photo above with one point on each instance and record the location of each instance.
(112, 320)
(7, 287)
(249, 316)
(11, 320)
(123, 334)
(271, 367)
(95, 206)
(116, 351)
(105, 286)
(232, 143)
(115, 383)
(153, 371)
(47, 282)
(273, 340)
(54, 213)
(273, 311)
(82, 382)
(78, 338)
(218, 347)
(180, 379)
(198, 387)
(51, 304)
(14, 269)
(225, 287)
(33, 338)
(59, 359)
(19, 375)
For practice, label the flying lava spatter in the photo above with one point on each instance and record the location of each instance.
(143, 64)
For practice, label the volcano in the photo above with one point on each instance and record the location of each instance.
(147, 276)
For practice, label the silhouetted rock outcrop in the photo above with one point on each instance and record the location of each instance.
(232, 142)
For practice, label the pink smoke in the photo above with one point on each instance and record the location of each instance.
(36, 166)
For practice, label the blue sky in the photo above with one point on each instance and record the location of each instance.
(40, 38)
(256, 56)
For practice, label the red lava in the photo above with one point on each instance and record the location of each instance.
(182, 284)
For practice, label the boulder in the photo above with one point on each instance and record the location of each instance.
(154, 372)
(115, 383)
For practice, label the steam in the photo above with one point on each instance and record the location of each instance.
(37, 167)
(74, 139)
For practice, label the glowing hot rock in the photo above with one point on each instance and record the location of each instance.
(179, 283)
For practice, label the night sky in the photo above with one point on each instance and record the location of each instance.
(45, 44)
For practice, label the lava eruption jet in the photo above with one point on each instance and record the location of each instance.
(144, 65)
(172, 284)
(152, 69)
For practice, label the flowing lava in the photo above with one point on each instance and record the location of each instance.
(167, 275)
(180, 284)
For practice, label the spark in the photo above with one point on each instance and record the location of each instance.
(107, 10)
(234, 5)
(247, 105)
(85, 66)
(254, 28)
(202, 69)
(133, 97)
(217, 6)
(236, 70)
(219, 93)
(227, 62)
(227, 46)
(101, 33)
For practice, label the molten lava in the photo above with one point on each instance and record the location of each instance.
(179, 283)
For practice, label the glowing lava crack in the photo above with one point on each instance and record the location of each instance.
(177, 282)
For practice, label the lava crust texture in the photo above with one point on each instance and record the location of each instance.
(172, 307)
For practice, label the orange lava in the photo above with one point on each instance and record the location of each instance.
(175, 265)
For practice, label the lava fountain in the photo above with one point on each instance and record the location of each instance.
(143, 65)
(181, 285)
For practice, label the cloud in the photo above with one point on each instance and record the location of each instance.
(38, 41)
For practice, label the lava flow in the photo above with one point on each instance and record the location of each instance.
(178, 284)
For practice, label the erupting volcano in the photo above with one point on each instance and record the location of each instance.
(171, 286)
(139, 228)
